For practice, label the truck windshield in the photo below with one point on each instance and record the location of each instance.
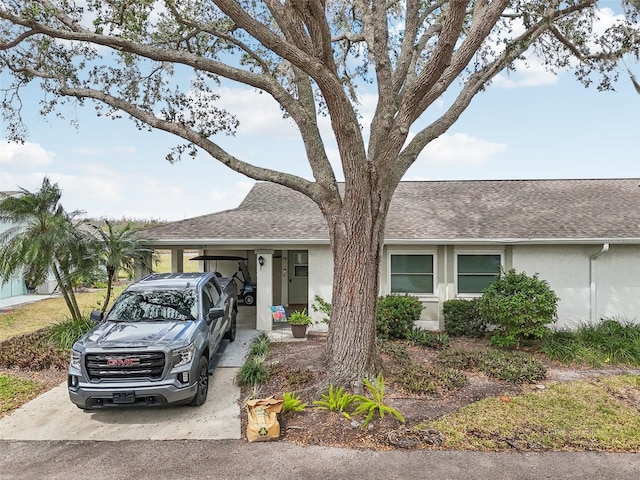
(154, 305)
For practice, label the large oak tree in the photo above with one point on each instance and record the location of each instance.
(313, 57)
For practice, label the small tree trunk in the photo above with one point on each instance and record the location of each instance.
(110, 275)
(69, 299)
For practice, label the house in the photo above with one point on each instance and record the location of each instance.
(16, 286)
(443, 240)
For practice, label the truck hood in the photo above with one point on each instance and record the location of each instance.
(131, 334)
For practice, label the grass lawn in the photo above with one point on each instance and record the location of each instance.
(582, 415)
(34, 316)
(164, 262)
(15, 391)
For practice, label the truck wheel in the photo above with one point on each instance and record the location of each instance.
(249, 299)
(203, 382)
(231, 333)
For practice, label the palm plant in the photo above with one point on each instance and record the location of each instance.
(120, 249)
(43, 238)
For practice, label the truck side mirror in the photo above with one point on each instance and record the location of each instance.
(96, 316)
(215, 313)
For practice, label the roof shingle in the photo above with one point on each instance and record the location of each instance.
(438, 211)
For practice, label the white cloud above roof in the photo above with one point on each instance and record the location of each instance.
(27, 155)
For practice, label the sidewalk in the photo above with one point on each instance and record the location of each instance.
(7, 303)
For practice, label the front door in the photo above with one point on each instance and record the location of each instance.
(298, 276)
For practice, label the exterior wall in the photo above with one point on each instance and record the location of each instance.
(320, 281)
(567, 269)
(14, 285)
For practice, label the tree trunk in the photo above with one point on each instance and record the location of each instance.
(110, 276)
(356, 243)
(68, 299)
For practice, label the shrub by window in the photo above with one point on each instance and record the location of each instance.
(462, 318)
(395, 316)
(412, 273)
(520, 307)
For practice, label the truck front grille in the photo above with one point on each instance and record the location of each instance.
(108, 366)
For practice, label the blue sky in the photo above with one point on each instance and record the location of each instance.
(527, 125)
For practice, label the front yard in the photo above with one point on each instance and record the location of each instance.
(462, 394)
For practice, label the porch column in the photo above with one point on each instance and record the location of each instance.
(139, 270)
(264, 294)
(177, 260)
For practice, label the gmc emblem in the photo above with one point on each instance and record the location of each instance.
(122, 362)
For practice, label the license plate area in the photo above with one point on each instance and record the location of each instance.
(124, 397)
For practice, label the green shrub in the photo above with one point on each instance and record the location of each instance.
(64, 334)
(253, 372)
(425, 338)
(610, 342)
(512, 367)
(462, 318)
(519, 306)
(395, 315)
(430, 380)
(259, 345)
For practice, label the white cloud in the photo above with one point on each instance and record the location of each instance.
(458, 149)
(27, 155)
(531, 73)
(257, 113)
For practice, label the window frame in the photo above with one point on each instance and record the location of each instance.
(434, 274)
(479, 253)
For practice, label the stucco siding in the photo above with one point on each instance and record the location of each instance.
(320, 281)
(618, 283)
(567, 269)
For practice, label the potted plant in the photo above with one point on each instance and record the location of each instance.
(299, 320)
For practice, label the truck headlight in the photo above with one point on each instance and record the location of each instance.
(75, 359)
(184, 355)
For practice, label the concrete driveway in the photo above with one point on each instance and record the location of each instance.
(52, 416)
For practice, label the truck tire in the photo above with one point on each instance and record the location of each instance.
(233, 325)
(203, 382)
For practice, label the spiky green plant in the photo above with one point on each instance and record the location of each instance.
(336, 400)
(292, 403)
(375, 404)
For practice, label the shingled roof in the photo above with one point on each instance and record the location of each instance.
(435, 212)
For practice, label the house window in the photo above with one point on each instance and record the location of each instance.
(301, 264)
(477, 272)
(412, 273)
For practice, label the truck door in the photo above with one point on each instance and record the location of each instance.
(210, 297)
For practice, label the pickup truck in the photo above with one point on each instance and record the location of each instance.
(154, 345)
